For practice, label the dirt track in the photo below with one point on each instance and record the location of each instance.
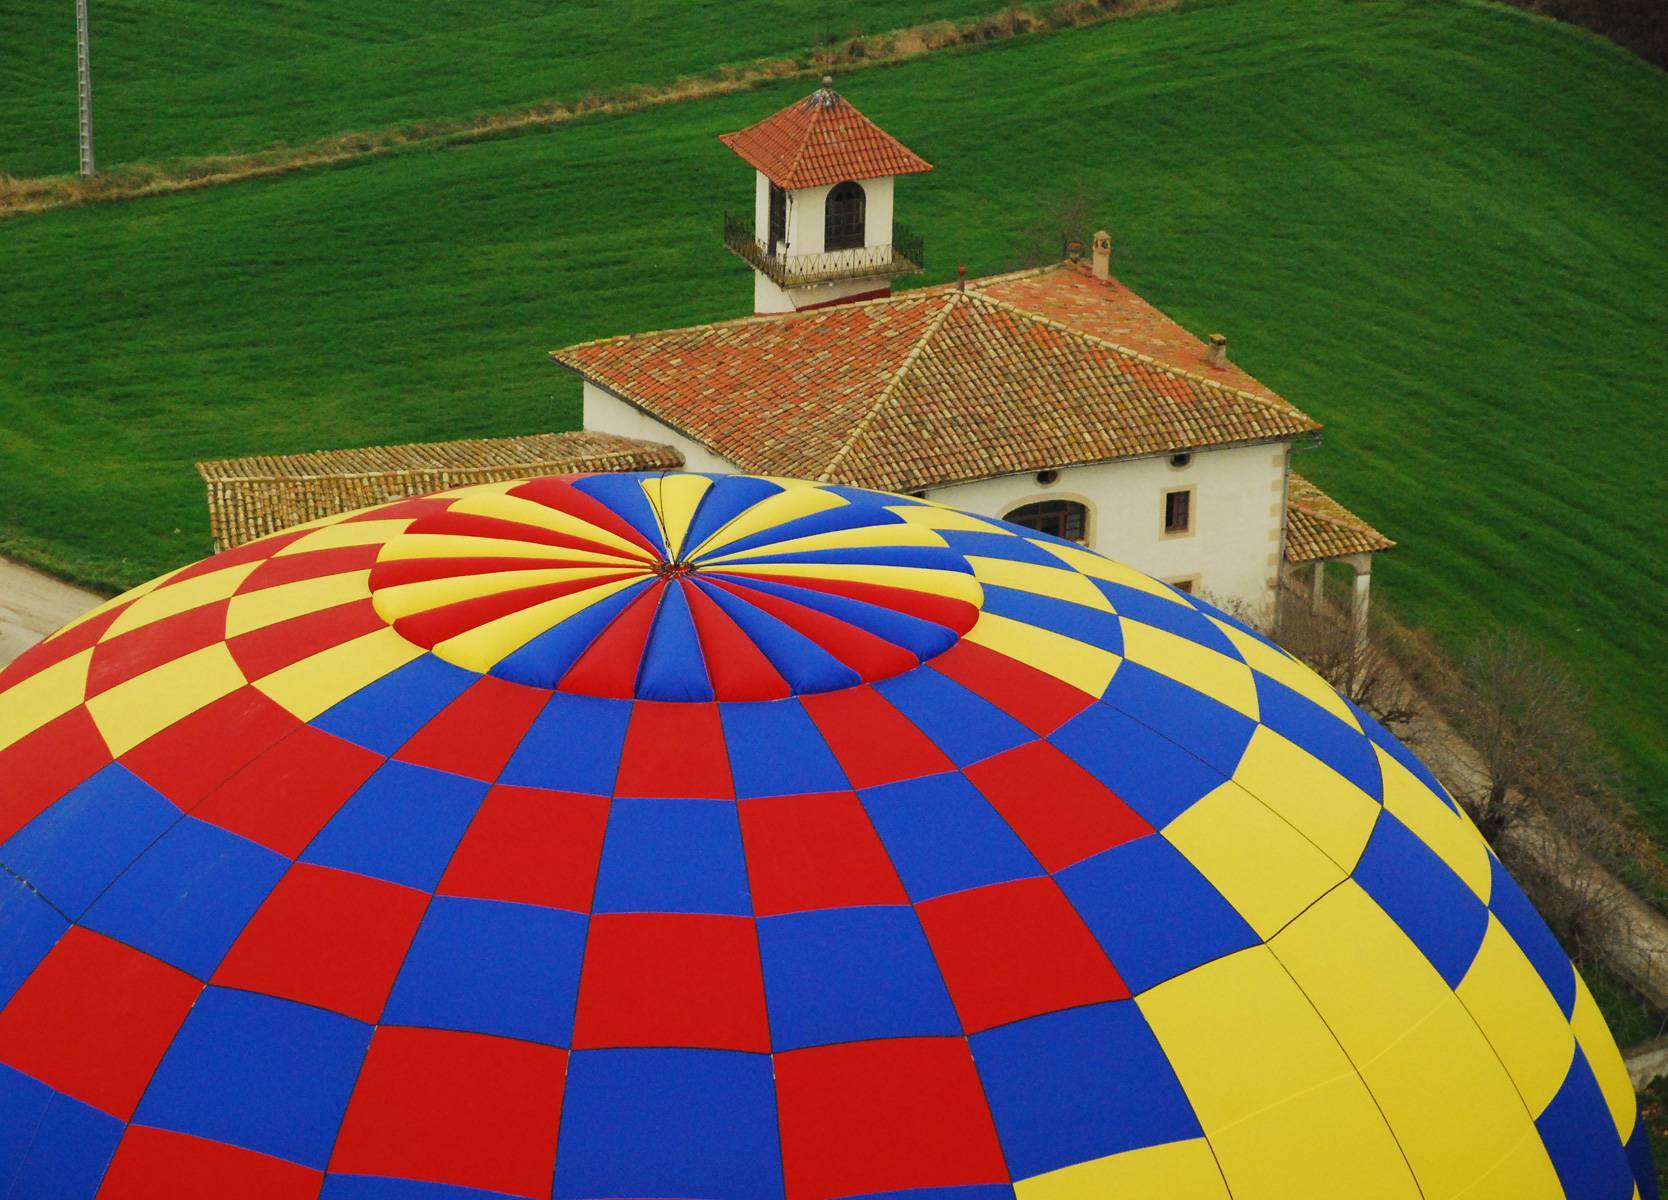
(32, 605)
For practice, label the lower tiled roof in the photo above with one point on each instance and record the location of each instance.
(1318, 527)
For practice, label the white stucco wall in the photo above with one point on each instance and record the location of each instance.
(607, 413)
(806, 213)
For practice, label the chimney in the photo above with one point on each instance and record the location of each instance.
(1103, 254)
(1073, 250)
(961, 278)
(1217, 355)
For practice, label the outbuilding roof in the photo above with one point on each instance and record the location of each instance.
(820, 140)
(1318, 527)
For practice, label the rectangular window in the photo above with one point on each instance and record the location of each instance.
(1178, 510)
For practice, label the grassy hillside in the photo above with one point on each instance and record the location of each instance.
(1374, 200)
(193, 77)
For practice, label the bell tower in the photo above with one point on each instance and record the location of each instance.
(822, 231)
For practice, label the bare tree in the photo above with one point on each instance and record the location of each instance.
(1378, 666)
(1070, 213)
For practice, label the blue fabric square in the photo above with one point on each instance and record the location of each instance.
(377, 1187)
(488, 966)
(1093, 626)
(1182, 619)
(944, 836)
(384, 715)
(1529, 930)
(1386, 741)
(1581, 1139)
(669, 1123)
(74, 850)
(1301, 721)
(1000, 543)
(963, 724)
(1147, 940)
(1639, 1158)
(254, 1071)
(402, 825)
(573, 746)
(189, 896)
(1431, 904)
(1208, 728)
(1151, 774)
(52, 1147)
(1080, 1084)
(673, 856)
(850, 974)
(776, 750)
(29, 928)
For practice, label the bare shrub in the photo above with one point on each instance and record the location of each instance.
(1379, 666)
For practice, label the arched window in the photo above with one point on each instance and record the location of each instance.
(1063, 518)
(843, 218)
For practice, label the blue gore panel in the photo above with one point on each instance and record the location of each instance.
(1432, 905)
(673, 856)
(1300, 720)
(925, 639)
(1528, 929)
(189, 896)
(1151, 774)
(673, 667)
(1000, 543)
(727, 499)
(776, 750)
(402, 825)
(29, 928)
(860, 514)
(1147, 942)
(1639, 1158)
(255, 1071)
(971, 1191)
(934, 558)
(489, 966)
(544, 660)
(669, 1123)
(623, 492)
(850, 974)
(377, 1187)
(573, 746)
(944, 836)
(805, 665)
(1092, 626)
(1387, 742)
(74, 850)
(1581, 1139)
(52, 1147)
(1042, 1074)
(963, 724)
(1181, 619)
(383, 716)
(1209, 729)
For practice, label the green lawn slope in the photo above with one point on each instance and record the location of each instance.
(1396, 223)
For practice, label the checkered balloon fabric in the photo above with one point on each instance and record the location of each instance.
(675, 835)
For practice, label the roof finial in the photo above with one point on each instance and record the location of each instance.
(825, 95)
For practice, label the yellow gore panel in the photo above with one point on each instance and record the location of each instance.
(1321, 804)
(1519, 1017)
(1173, 1171)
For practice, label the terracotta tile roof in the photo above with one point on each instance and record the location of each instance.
(820, 140)
(920, 390)
(1318, 527)
(252, 497)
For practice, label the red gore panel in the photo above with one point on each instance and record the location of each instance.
(156, 1164)
(532, 847)
(194, 755)
(287, 795)
(475, 734)
(1062, 813)
(874, 742)
(674, 749)
(817, 851)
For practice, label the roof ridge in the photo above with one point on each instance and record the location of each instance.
(894, 384)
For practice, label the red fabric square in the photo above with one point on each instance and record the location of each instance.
(883, 1116)
(1035, 699)
(309, 564)
(874, 742)
(130, 654)
(672, 979)
(36, 770)
(675, 749)
(1062, 813)
(531, 846)
(248, 552)
(816, 851)
(158, 1164)
(190, 758)
(463, 1109)
(260, 652)
(1014, 950)
(288, 794)
(475, 734)
(94, 1019)
(328, 938)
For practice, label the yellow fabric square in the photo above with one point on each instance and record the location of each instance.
(1283, 668)
(1265, 868)
(1183, 1170)
(1088, 668)
(126, 597)
(935, 516)
(1605, 1059)
(345, 533)
(1055, 582)
(1225, 680)
(135, 709)
(308, 687)
(1096, 567)
(1519, 1017)
(1320, 803)
(267, 606)
(1449, 835)
(179, 597)
(43, 697)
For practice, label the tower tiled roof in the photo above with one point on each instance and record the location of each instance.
(1318, 527)
(820, 140)
(920, 390)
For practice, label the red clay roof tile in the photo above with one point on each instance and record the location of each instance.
(820, 140)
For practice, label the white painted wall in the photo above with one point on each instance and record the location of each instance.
(607, 413)
(806, 214)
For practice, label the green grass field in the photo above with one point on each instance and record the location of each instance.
(1378, 202)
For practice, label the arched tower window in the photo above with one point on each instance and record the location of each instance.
(1063, 518)
(843, 217)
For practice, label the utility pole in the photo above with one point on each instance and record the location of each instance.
(84, 76)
